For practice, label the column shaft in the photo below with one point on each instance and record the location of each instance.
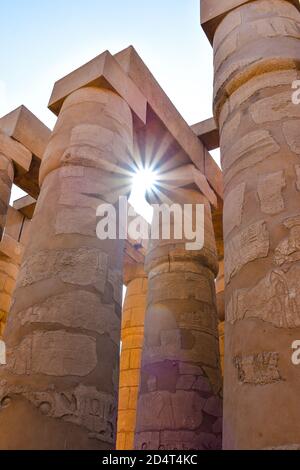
(9, 270)
(132, 337)
(179, 403)
(257, 54)
(63, 334)
(221, 311)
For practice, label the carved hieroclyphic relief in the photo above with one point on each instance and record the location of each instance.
(249, 150)
(270, 192)
(84, 266)
(84, 406)
(56, 353)
(252, 243)
(288, 251)
(170, 346)
(275, 298)
(233, 208)
(258, 369)
(192, 407)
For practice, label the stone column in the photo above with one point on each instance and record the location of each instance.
(179, 403)
(132, 337)
(221, 311)
(6, 181)
(9, 270)
(63, 334)
(257, 57)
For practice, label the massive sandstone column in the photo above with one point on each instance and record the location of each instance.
(221, 311)
(63, 334)
(132, 337)
(9, 270)
(11, 253)
(179, 400)
(257, 57)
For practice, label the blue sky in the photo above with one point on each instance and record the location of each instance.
(43, 40)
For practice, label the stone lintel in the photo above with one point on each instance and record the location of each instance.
(208, 132)
(16, 152)
(163, 108)
(24, 127)
(103, 71)
(26, 206)
(213, 12)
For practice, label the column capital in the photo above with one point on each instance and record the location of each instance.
(133, 271)
(213, 12)
(102, 72)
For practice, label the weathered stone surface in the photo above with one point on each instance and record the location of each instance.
(297, 170)
(274, 108)
(258, 369)
(8, 273)
(248, 151)
(55, 353)
(164, 410)
(233, 208)
(292, 134)
(78, 220)
(252, 243)
(75, 306)
(269, 191)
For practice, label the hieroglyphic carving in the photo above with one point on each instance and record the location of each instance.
(115, 278)
(252, 243)
(84, 266)
(56, 353)
(275, 298)
(84, 406)
(202, 345)
(178, 415)
(270, 192)
(233, 207)
(288, 251)
(164, 410)
(258, 369)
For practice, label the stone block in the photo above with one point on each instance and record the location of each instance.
(105, 72)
